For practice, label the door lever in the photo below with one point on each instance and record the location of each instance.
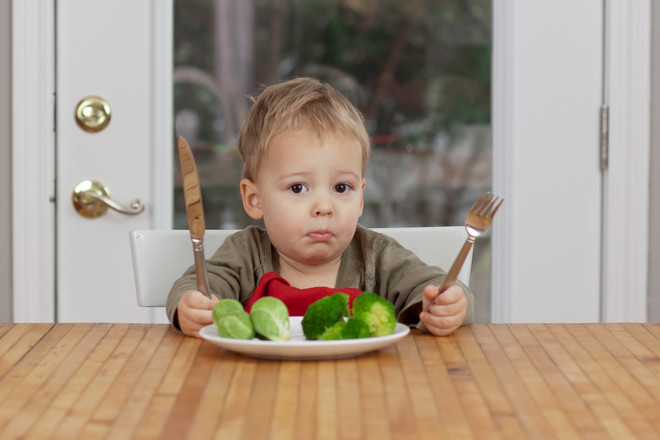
(92, 199)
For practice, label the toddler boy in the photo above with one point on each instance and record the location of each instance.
(305, 150)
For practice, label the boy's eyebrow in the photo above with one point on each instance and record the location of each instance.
(307, 173)
(351, 173)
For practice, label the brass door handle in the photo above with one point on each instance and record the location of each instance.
(92, 199)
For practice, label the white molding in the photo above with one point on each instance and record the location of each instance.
(33, 159)
(162, 122)
(626, 211)
(162, 113)
(502, 235)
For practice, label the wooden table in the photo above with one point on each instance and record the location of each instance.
(486, 381)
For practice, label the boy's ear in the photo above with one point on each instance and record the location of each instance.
(250, 197)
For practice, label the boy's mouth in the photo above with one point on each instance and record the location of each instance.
(320, 235)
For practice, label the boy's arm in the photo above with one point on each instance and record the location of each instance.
(233, 271)
(225, 281)
(401, 276)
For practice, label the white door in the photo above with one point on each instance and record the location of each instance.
(117, 51)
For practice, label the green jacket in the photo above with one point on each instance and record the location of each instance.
(372, 262)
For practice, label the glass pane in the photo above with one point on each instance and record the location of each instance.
(418, 70)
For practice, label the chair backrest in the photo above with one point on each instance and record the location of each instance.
(161, 256)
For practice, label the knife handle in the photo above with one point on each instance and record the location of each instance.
(200, 267)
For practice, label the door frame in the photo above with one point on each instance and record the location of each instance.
(626, 210)
(625, 230)
(33, 161)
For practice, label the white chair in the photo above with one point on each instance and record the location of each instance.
(161, 256)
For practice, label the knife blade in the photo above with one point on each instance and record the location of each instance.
(192, 194)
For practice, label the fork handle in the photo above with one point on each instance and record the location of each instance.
(452, 275)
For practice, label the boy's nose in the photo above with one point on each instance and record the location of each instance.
(322, 206)
(321, 211)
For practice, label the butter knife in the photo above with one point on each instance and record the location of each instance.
(192, 195)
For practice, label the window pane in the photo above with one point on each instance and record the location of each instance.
(418, 70)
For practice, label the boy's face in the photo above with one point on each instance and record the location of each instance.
(309, 191)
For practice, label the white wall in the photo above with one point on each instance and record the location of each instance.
(5, 162)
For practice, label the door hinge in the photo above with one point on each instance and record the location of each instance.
(604, 136)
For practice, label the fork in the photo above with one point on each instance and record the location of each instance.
(477, 223)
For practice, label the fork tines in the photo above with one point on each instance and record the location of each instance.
(487, 205)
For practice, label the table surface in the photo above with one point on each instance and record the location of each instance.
(485, 381)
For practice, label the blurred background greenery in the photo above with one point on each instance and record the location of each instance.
(419, 70)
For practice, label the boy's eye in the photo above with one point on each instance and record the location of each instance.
(297, 188)
(342, 188)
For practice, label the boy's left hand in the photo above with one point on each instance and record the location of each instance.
(446, 315)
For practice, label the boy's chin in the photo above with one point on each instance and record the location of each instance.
(319, 258)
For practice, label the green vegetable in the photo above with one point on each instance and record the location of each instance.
(352, 328)
(236, 326)
(355, 328)
(270, 319)
(372, 316)
(377, 312)
(226, 307)
(323, 314)
(231, 320)
(334, 331)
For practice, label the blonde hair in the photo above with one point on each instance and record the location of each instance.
(298, 103)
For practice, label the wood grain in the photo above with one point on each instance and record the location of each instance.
(121, 381)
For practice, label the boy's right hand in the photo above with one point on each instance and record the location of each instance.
(195, 310)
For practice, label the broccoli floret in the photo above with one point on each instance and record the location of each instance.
(323, 314)
(352, 328)
(334, 332)
(355, 328)
(377, 312)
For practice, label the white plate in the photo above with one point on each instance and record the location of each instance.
(300, 348)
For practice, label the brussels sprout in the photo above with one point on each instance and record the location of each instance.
(226, 307)
(270, 319)
(236, 326)
(231, 320)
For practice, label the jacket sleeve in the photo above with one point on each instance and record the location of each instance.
(395, 272)
(233, 271)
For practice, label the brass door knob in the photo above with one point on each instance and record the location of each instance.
(92, 200)
(93, 114)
